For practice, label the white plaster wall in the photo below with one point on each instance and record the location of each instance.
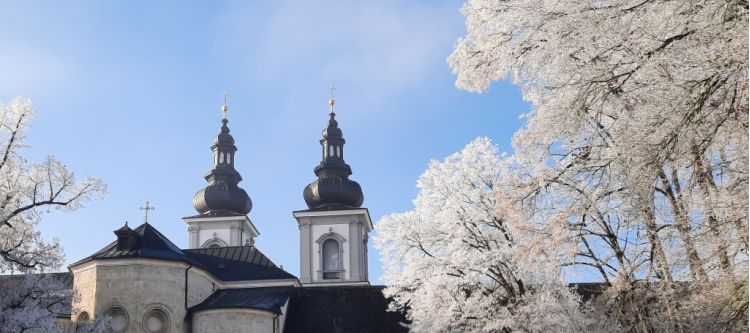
(199, 287)
(245, 236)
(139, 286)
(206, 234)
(84, 283)
(282, 317)
(232, 320)
(321, 229)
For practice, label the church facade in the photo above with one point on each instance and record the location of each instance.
(221, 282)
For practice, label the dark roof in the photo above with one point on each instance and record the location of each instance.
(237, 263)
(588, 290)
(55, 299)
(14, 280)
(270, 299)
(335, 309)
(233, 263)
(152, 244)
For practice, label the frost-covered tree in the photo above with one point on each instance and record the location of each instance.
(28, 190)
(640, 119)
(463, 259)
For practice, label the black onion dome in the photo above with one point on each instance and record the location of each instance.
(333, 189)
(223, 195)
(224, 138)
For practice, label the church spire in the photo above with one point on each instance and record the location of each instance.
(223, 195)
(333, 189)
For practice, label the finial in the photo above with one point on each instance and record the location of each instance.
(331, 101)
(146, 209)
(225, 108)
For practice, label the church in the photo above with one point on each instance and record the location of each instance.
(221, 282)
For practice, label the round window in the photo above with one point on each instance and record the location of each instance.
(118, 321)
(156, 321)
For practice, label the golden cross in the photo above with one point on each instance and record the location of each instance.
(331, 101)
(225, 109)
(146, 209)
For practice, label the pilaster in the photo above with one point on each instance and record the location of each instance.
(305, 251)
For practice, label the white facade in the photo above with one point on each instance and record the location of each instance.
(333, 246)
(220, 231)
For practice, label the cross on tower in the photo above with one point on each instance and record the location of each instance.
(146, 209)
(225, 109)
(332, 101)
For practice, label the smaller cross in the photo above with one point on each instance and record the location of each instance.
(146, 209)
(331, 88)
(225, 109)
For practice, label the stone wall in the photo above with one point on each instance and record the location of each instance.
(233, 320)
(136, 286)
(200, 286)
(84, 284)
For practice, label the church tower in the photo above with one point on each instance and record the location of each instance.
(222, 205)
(334, 229)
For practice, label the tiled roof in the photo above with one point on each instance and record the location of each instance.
(237, 263)
(56, 300)
(361, 309)
(270, 299)
(588, 290)
(153, 245)
(233, 263)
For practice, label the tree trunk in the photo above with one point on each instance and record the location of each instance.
(703, 176)
(674, 194)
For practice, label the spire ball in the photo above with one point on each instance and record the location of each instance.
(331, 101)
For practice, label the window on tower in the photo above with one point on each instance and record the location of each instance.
(332, 264)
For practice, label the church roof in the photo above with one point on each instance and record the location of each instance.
(334, 309)
(152, 244)
(234, 263)
(270, 299)
(237, 263)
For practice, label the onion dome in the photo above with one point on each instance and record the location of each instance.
(223, 195)
(333, 189)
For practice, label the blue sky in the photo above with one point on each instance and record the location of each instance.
(130, 92)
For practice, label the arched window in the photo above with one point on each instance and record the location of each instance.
(214, 243)
(83, 316)
(332, 259)
(331, 256)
